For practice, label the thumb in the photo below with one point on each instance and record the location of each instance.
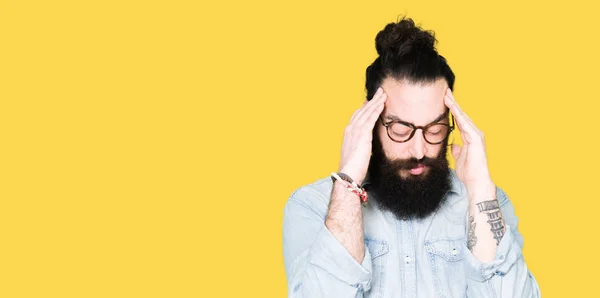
(456, 151)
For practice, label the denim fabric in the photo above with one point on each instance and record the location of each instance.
(403, 258)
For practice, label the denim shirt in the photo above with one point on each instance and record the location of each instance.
(403, 258)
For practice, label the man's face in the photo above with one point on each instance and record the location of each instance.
(410, 178)
(419, 105)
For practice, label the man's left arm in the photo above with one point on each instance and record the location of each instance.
(494, 263)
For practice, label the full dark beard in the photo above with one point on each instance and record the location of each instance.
(412, 197)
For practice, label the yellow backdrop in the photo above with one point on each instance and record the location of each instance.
(148, 147)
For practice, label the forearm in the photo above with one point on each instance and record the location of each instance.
(316, 263)
(504, 272)
(486, 224)
(344, 221)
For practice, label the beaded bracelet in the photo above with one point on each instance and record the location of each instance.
(351, 186)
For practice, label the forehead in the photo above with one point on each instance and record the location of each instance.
(419, 103)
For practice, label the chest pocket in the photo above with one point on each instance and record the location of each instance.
(446, 260)
(378, 250)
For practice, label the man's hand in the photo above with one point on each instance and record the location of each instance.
(344, 216)
(486, 224)
(358, 137)
(471, 160)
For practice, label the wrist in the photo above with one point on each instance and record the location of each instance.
(353, 175)
(351, 185)
(481, 191)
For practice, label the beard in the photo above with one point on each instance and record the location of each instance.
(414, 196)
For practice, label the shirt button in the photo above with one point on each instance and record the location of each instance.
(429, 249)
(454, 251)
(407, 259)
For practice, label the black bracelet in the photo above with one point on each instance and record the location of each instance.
(345, 178)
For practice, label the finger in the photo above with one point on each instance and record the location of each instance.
(468, 119)
(463, 153)
(373, 101)
(456, 151)
(451, 103)
(370, 106)
(460, 131)
(462, 135)
(358, 110)
(371, 111)
(464, 124)
(372, 118)
(354, 115)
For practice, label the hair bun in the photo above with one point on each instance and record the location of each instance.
(400, 39)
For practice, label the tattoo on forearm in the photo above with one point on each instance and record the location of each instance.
(492, 209)
(488, 205)
(472, 238)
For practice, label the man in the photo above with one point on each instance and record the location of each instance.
(425, 230)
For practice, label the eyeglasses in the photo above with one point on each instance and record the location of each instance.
(433, 133)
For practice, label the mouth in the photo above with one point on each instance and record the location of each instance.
(418, 170)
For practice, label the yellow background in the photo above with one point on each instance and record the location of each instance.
(148, 147)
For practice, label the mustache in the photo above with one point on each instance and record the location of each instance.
(410, 163)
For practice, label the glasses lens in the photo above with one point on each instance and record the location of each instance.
(399, 132)
(436, 133)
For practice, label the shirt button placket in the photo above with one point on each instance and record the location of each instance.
(408, 254)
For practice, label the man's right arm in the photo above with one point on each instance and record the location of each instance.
(344, 220)
(324, 251)
(324, 248)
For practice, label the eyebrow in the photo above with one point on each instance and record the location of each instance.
(397, 119)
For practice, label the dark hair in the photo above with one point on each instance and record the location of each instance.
(406, 52)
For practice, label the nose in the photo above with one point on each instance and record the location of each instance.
(418, 146)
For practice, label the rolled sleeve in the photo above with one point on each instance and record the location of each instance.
(316, 263)
(507, 275)
(507, 254)
(330, 255)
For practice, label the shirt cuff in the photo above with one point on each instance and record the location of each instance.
(330, 255)
(507, 253)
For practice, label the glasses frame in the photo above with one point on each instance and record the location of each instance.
(415, 127)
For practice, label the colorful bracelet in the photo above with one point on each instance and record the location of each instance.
(351, 186)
